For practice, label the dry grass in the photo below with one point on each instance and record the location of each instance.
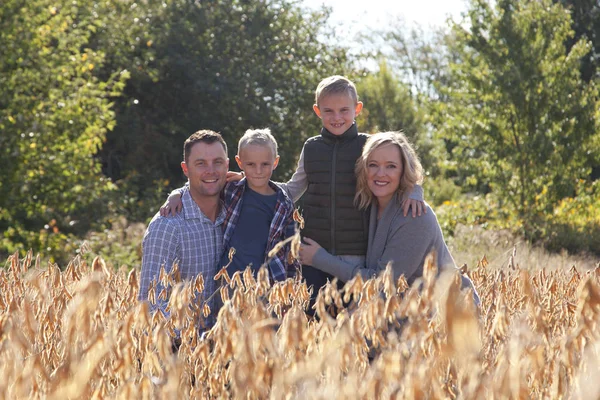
(80, 333)
(471, 242)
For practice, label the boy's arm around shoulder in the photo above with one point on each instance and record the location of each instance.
(174, 204)
(298, 183)
(180, 191)
(417, 193)
(414, 202)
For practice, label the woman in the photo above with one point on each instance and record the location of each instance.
(387, 170)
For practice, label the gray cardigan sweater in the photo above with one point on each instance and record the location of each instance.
(405, 241)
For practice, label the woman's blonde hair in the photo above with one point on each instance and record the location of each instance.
(412, 171)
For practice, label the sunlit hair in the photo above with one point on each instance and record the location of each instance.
(412, 171)
(205, 136)
(262, 137)
(335, 84)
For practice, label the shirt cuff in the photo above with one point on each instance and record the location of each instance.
(417, 193)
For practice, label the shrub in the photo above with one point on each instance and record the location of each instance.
(575, 224)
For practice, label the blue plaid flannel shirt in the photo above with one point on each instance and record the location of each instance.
(282, 227)
(191, 239)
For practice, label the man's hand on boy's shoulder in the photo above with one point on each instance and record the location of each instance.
(233, 176)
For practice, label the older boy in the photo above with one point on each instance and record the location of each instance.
(259, 214)
(325, 176)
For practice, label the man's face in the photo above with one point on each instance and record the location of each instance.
(206, 169)
(258, 162)
(337, 111)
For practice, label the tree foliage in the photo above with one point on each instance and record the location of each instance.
(420, 59)
(97, 98)
(54, 116)
(388, 104)
(222, 65)
(391, 105)
(585, 17)
(88, 87)
(519, 117)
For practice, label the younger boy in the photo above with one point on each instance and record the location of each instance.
(259, 214)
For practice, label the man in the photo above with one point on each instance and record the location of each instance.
(194, 237)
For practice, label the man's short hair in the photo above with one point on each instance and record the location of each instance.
(205, 136)
(335, 84)
(262, 137)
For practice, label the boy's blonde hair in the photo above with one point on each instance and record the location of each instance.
(336, 84)
(412, 171)
(261, 137)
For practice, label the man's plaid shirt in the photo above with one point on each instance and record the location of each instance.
(189, 238)
(282, 227)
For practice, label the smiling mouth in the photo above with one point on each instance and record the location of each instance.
(210, 180)
(380, 183)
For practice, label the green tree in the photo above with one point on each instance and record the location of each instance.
(54, 116)
(519, 117)
(222, 65)
(388, 104)
(65, 95)
(585, 17)
(420, 59)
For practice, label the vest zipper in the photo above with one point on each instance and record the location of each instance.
(333, 168)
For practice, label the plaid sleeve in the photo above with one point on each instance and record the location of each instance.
(159, 248)
(228, 191)
(292, 263)
(290, 226)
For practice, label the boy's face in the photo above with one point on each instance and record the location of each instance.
(337, 111)
(258, 162)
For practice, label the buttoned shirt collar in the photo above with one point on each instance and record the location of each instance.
(191, 210)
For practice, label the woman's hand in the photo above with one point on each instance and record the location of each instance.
(173, 205)
(308, 249)
(417, 206)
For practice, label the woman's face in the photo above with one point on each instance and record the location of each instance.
(384, 170)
